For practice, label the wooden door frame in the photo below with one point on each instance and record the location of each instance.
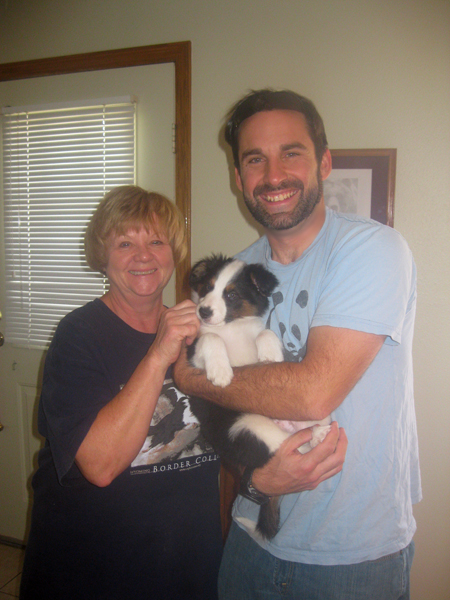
(178, 53)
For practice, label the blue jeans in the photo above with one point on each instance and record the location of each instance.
(250, 573)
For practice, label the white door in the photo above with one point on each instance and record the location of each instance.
(19, 439)
(20, 368)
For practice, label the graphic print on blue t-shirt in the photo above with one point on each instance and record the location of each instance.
(291, 351)
(174, 432)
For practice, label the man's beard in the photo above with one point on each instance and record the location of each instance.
(283, 220)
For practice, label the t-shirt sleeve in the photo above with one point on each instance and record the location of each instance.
(369, 284)
(75, 388)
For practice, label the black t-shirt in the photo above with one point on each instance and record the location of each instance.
(154, 532)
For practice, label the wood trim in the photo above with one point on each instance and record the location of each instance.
(178, 53)
(229, 487)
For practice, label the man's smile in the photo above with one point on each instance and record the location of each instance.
(279, 197)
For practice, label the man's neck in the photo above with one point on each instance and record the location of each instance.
(289, 244)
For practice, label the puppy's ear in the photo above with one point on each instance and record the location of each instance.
(197, 273)
(207, 267)
(264, 281)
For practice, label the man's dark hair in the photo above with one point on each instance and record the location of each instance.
(268, 99)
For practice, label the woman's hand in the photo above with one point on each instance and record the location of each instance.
(177, 325)
(291, 472)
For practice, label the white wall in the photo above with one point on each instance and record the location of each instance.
(378, 71)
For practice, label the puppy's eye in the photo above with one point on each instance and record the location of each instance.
(232, 295)
(208, 287)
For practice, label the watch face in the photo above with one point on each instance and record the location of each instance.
(253, 491)
(248, 491)
(257, 496)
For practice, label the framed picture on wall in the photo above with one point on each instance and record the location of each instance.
(363, 182)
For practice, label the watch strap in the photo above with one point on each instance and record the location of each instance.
(247, 490)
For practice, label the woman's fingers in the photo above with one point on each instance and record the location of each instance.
(177, 324)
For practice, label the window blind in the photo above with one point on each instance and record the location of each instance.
(58, 162)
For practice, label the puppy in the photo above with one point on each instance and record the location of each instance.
(231, 297)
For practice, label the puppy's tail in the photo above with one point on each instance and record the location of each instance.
(269, 519)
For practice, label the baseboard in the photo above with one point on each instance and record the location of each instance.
(9, 541)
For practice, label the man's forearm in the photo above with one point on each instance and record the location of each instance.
(335, 360)
(265, 389)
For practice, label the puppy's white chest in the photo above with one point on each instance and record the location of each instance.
(243, 352)
(239, 338)
(241, 342)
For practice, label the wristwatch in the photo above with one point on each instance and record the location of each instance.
(247, 490)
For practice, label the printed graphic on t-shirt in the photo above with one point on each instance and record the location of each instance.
(294, 347)
(174, 432)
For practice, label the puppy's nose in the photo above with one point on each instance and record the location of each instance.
(205, 312)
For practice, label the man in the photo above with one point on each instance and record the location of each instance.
(345, 312)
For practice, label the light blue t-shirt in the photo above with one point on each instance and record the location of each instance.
(357, 274)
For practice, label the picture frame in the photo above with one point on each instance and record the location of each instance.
(363, 182)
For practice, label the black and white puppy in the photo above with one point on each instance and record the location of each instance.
(231, 297)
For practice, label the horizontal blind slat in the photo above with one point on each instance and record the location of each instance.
(57, 165)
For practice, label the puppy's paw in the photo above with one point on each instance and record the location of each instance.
(269, 347)
(319, 433)
(220, 374)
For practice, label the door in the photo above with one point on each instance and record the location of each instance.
(21, 368)
(19, 438)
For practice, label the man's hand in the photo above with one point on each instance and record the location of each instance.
(291, 472)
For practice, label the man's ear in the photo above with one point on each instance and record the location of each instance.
(326, 164)
(238, 179)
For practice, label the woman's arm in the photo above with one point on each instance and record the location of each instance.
(121, 426)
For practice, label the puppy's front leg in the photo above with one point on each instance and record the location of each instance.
(269, 346)
(214, 358)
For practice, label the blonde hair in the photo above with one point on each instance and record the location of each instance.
(130, 207)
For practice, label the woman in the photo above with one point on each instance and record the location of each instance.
(126, 501)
